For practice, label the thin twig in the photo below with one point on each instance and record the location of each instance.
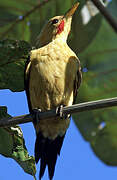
(92, 105)
(106, 14)
(24, 16)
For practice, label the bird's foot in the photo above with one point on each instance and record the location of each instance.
(35, 115)
(59, 112)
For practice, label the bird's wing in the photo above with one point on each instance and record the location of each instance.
(77, 82)
(26, 81)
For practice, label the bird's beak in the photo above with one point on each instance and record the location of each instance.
(71, 11)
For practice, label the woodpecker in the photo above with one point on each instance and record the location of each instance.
(52, 78)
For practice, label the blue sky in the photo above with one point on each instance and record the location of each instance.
(77, 161)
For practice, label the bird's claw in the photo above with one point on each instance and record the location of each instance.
(59, 112)
(35, 115)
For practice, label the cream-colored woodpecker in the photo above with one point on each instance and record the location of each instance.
(52, 78)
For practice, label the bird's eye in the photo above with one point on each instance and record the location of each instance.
(55, 21)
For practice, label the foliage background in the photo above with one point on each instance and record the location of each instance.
(95, 43)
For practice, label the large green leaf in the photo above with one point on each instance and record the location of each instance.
(100, 82)
(13, 55)
(104, 143)
(83, 33)
(12, 145)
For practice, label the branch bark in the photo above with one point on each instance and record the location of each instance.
(106, 14)
(92, 105)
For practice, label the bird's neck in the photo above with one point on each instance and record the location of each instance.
(59, 38)
(62, 38)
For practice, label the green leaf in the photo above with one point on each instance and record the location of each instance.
(98, 83)
(12, 60)
(112, 8)
(6, 17)
(3, 112)
(104, 143)
(12, 145)
(83, 34)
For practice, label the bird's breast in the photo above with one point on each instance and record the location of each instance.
(51, 79)
(51, 83)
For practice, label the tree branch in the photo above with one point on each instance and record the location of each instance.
(25, 16)
(92, 105)
(106, 14)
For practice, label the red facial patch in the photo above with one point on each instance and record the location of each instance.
(60, 27)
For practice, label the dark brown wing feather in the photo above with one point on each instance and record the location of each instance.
(77, 82)
(26, 81)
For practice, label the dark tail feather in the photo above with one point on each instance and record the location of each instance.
(47, 150)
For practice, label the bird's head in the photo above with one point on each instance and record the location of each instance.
(57, 27)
